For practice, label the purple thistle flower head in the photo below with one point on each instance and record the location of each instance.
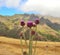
(37, 21)
(22, 23)
(29, 24)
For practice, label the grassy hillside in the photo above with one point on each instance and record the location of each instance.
(10, 46)
(48, 29)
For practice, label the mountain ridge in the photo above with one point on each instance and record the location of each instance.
(47, 25)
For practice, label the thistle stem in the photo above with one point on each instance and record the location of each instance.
(35, 48)
(25, 38)
(21, 44)
(30, 43)
(35, 43)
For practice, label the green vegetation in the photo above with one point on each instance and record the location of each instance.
(50, 37)
(10, 27)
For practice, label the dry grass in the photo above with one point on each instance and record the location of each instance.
(9, 46)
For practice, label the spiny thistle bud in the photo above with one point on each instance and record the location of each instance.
(34, 25)
(22, 23)
(37, 21)
(32, 32)
(29, 24)
(21, 33)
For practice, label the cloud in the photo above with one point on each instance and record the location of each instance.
(10, 3)
(44, 7)
(1, 3)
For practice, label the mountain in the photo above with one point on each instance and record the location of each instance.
(48, 29)
(54, 24)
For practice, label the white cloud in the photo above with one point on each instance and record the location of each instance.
(44, 7)
(10, 3)
(1, 3)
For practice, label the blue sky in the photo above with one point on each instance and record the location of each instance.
(42, 7)
(9, 11)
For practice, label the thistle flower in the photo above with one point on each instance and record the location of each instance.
(32, 32)
(22, 23)
(29, 24)
(37, 21)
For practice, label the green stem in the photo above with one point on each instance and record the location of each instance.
(35, 47)
(30, 43)
(21, 45)
(35, 43)
(25, 38)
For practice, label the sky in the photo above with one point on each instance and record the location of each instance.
(42, 7)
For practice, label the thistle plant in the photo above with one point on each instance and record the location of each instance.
(35, 25)
(30, 24)
(32, 34)
(22, 23)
